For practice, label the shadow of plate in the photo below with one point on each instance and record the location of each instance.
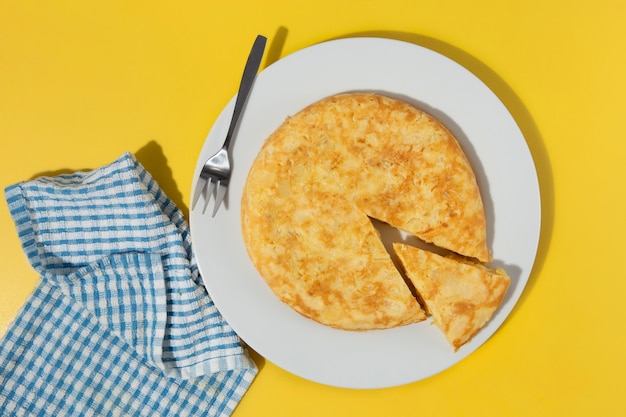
(525, 122)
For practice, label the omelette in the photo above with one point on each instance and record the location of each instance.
(318, 180)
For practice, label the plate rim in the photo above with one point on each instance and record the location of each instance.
(348, 43)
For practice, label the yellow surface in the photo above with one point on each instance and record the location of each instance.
(82, 82)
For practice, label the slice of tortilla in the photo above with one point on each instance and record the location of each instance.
(460, 295)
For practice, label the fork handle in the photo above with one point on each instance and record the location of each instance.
(247, 79)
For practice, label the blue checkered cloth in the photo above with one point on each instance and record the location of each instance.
(120, 323)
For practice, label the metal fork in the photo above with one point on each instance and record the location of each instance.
(216, 170)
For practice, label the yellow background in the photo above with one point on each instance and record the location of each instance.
(81, 82)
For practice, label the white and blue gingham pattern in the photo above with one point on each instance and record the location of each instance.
(120, 323)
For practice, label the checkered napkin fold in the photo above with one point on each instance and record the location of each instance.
(120, 323)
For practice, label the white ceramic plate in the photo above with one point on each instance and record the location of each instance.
(490, 138)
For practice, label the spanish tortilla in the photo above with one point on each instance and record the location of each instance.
(320, 176)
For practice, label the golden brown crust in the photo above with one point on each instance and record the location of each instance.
(315, 181)
(461, 296)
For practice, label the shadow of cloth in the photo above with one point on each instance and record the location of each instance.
(153, 159)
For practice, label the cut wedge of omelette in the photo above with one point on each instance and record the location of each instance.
(461, 296)
(322, 175)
